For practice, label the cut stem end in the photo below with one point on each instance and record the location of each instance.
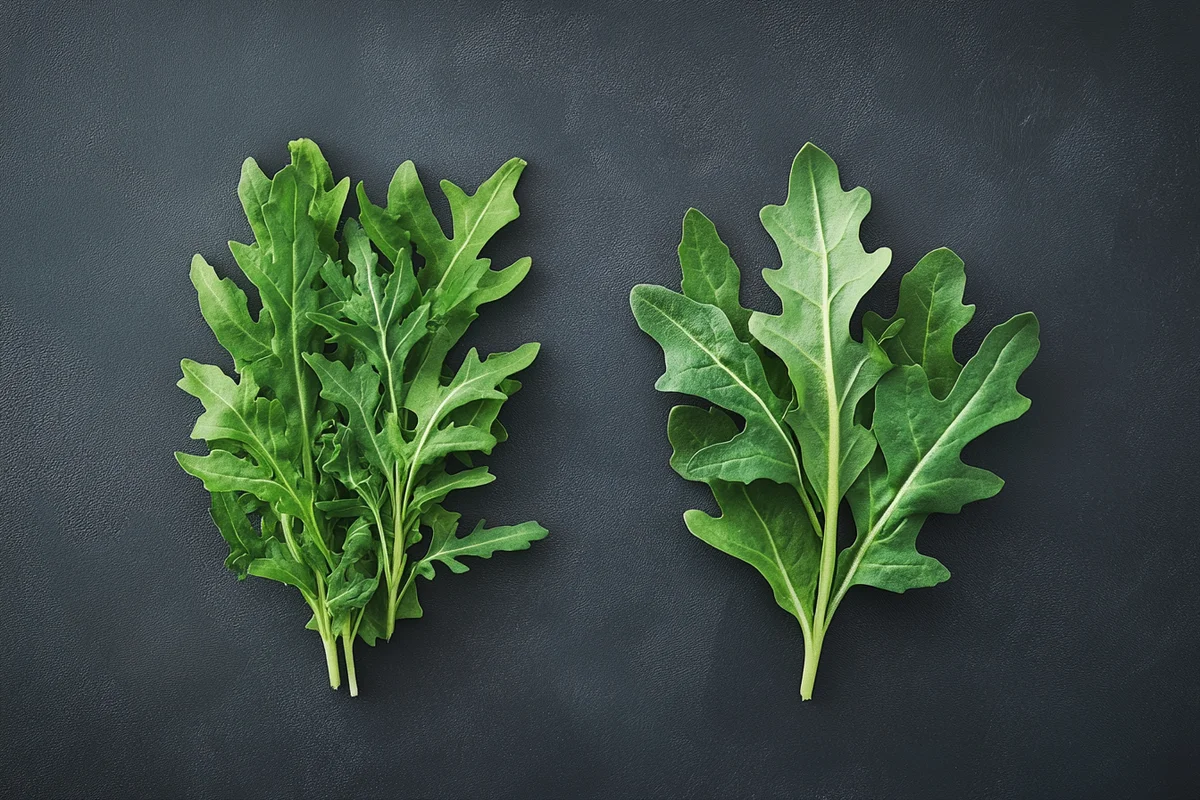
(348, 649)
(812, 657)
(331, 662)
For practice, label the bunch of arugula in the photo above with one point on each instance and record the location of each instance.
(826, 418)
(329, 453)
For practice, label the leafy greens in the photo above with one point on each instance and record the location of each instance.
(804, 417)
(330, 455)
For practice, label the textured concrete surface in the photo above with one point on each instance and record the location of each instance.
(1053, 146)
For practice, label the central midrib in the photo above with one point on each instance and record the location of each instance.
(383, 352)
(834, 426)
(929, 318)
(833, 468)
(301, 392)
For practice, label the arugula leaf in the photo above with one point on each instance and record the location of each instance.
(758, 524)
(406, 411)
(447, 547)
(920, 439)
(824, 275)
(453, 270)
(709, 273)
(235, 527)
(453, 276)
(278, 565)
(350, 585)
(933, 313)
(262, 428)
(335, 432)
(705, 358)
(824, 418)
(375, 323)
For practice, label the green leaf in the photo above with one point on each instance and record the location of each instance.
(234, 412)
(690, 429)
(339, 458)
(224, 307)
(344, 508)
(244, 543)
(277, 565)
(373, 319)
(222, 471)
(764, 524)
(452, 266)
(824, 417)
(352, 583)
(453, 271)
(435, 489)
(325, 208)
(254, 190)
(921, 438)
(475, 380)
(709, 274)
(705, 358)
(825, 274)
(892, 561)
(438, 443)
(446, 547)
(932, 313)
(286, 269)
(483, 414)
(357, 392)
(409, 607)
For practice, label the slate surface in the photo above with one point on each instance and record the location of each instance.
(1053, 146)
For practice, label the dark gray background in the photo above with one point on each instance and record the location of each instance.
(1053, 146)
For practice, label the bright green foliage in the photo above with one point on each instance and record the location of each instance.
(826, 418)
(328, 453)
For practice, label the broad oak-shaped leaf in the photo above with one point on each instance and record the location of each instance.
(921, 438)
(816, 416)
(825, 274)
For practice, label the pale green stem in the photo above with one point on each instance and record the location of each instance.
(331, 661)
(348, 649)
(399, 509)
(383, 548)
(328, 637)
(285, 522)
(828, 567)
(812, 655)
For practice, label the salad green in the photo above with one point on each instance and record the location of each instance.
(332, 452)
(803, 417)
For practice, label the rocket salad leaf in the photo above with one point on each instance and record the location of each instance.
(824, 418)
(328, 453)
